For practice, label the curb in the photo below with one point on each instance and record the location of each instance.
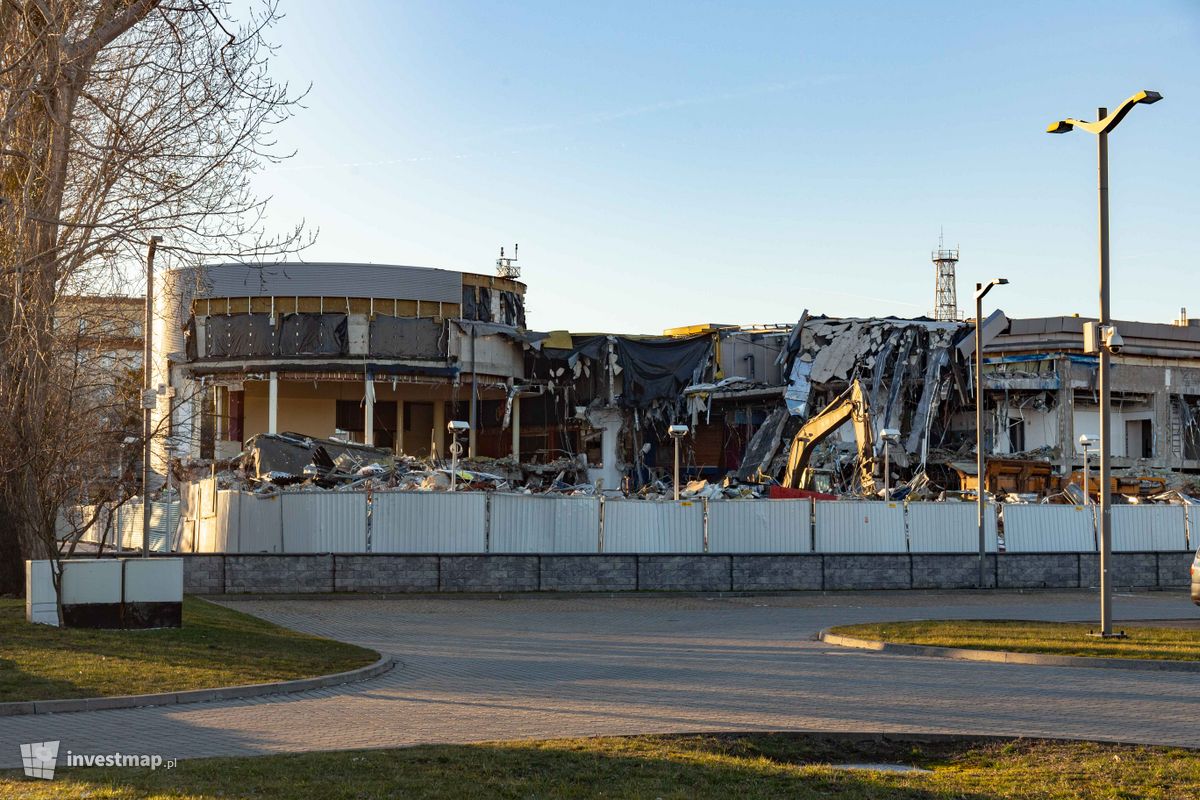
(1008, 657)
(19, 708)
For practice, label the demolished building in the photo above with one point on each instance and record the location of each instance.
(384, 356)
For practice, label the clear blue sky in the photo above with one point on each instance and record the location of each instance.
(663, 164)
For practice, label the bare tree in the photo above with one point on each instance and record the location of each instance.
(119, 119)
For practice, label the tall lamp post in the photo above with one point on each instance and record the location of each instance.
(456, 427)
(981, 289)
(1103, 125)
(149, 396)
(677, 433)
(1087, 443)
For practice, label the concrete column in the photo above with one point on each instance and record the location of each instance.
(369, 411)
(608, 421)
(516, 428)
(1066, 417)
(439, 427)
(218, 417)
(1163, 457)
(399, 426)
(273, 404)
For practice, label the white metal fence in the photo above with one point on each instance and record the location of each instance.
(760, 526)
(639, 526)
(949, 527)
(1149, 528)
(475, 522)
(423, 522)
(1048, 529)
(122, 526)
(859, 526)
(540, 524)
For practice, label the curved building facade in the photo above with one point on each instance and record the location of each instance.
(381, 353)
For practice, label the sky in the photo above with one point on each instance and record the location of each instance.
(665, 164)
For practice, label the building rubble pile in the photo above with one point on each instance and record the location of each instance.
(294, 462)
(909, 368)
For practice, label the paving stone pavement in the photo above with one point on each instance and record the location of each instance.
(485, 669)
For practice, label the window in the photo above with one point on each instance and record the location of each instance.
(350, 416)
(1016, 436)
(1139, 438)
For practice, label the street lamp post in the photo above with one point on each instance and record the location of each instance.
(889, 436)
(456, 428)
(149, 398)
(981, 289)
(1103, 125)
(677, 433)
(1087, 443)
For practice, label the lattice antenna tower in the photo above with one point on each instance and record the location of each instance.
(507, 267)
(945, 289)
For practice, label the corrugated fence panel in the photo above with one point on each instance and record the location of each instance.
(260, 523)
(429, 522)
(324, 522)
(647, 526)
(949, 528)
(859, 526)
(127, 526)
(1049, 529)
(759, 526)
(1160, 528)
(532, 524)
(1193, 520)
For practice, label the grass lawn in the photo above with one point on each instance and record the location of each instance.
(745, 766)
(215, 647)
(1056, 638)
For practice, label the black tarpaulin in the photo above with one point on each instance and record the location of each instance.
(313, 335)
(587, 346)
(512, 309)
(406, 337)
(189, 339)
(483, 309)
(468, 310)
(239, 336)
(659, 369)
(531, 338)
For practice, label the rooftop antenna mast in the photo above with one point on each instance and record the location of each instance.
(507, 267)
(945, 289)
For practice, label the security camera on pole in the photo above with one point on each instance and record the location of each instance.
(677, 432)
(456, 428)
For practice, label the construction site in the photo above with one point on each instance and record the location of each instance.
(299, 386)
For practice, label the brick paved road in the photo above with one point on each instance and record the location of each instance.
(489, 669)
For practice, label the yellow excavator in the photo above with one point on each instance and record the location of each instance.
(850, 406)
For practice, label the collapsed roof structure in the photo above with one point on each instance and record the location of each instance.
(385, 356)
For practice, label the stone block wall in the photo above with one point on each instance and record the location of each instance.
(489, 573)
(951, 571)
(602, 573)
(216, 574)
(868, 571)
(782, 573)
(279, 574)
(1038, 571)
(385, 573)
(204, 574)
(684, 573)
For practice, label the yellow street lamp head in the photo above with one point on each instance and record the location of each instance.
(1109, 121)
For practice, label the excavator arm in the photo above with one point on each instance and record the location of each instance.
(849, 406)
